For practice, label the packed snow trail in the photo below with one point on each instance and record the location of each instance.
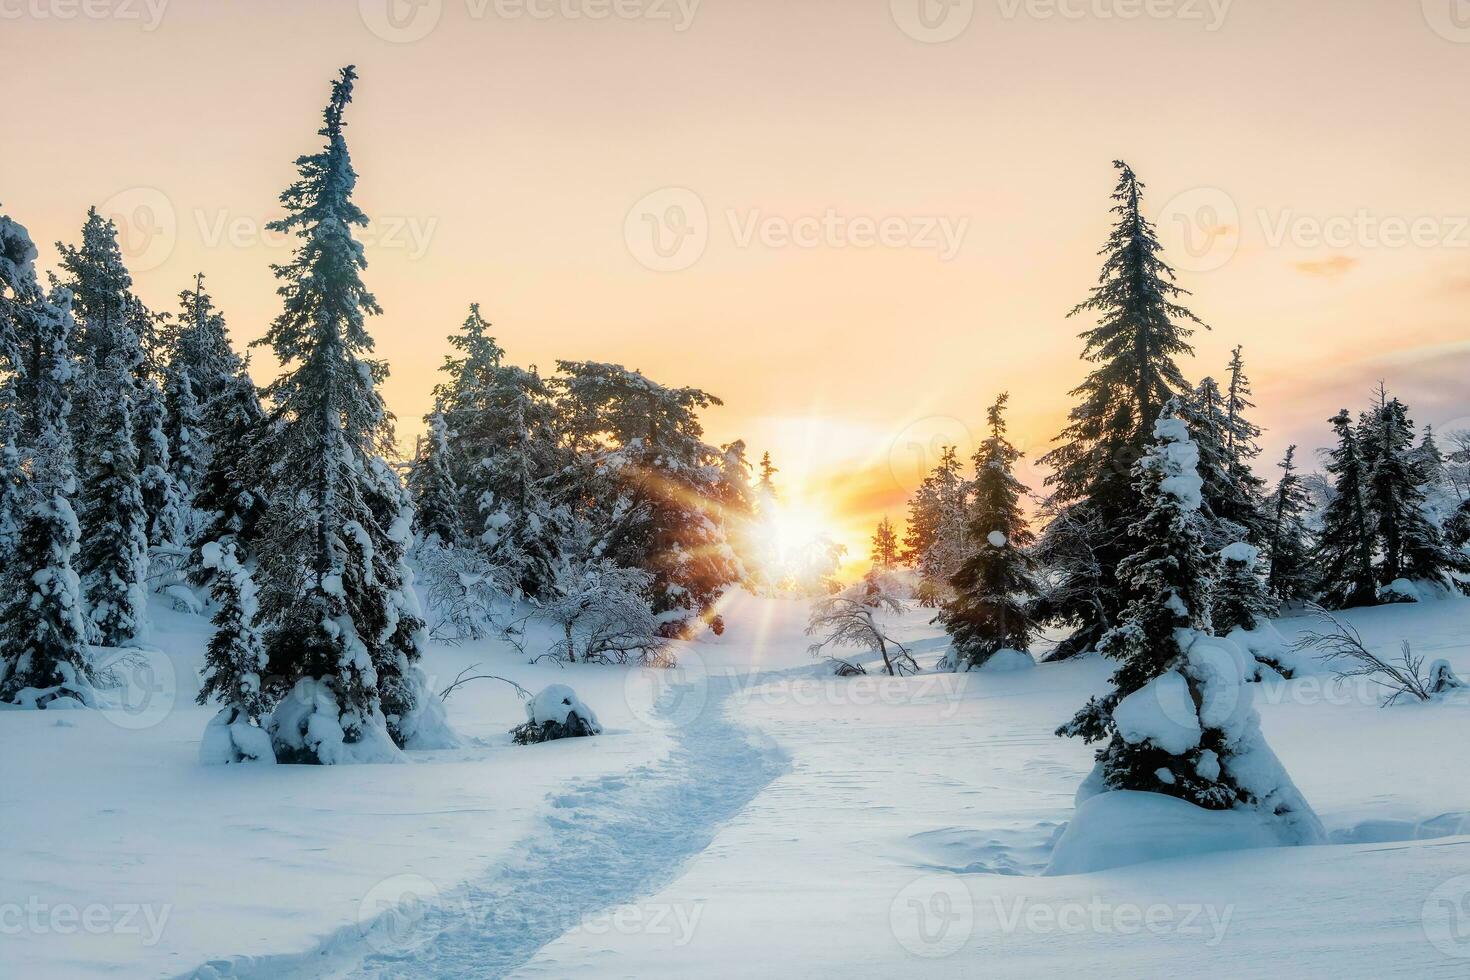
(608, 843)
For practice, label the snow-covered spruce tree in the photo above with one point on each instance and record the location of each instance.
(938, 538)
(506, 460)
(885, 546)
(1290, 576)
(436, 499)
(1344, 553)
(234, 667)
(335, 612)
(1413, 549)
(201, 368)
(1242, 447)
(163, 505)
(100, 286)
(1240, 599)
(230, 497)
(1178, 721)
(43, 642)
(114, 557)
(736, 510)
(993, 589)
(645, 441)
(1141, 329)
(19, 297)
(1230, 496)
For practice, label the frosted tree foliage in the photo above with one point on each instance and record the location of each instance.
(994, 588)
(1142, 328)
(1178, 720)
(341, 630)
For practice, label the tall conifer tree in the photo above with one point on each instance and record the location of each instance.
(1142, 328)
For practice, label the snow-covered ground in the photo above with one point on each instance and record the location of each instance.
(746, 814)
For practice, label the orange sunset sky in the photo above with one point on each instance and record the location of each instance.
(751, 197)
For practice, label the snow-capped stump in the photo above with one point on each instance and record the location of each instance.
(1443, 680)
(556, 713)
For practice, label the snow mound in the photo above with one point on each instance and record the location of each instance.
(1241, 551)
(230, 738)
(426, 725)
(1008, 661)
(183, 598)
(1126, 827)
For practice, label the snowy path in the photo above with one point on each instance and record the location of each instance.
(611, 841)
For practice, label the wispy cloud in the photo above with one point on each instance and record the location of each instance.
(1330, 268)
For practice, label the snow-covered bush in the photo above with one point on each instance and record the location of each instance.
(1342, 646)
(604, 613)
(553, 714)
(850, 619)
(468, 597)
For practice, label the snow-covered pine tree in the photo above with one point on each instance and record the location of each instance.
(201, 367)
(506, 461)
(19, 295)
(885, 546)
(939, 523)
(99, 283)
(430, 480)
(1413, 549)
(1226, 442)
(1241, 435)
(1141, 329)
(43, 643)
(994, 587)
(736, 499)
(1177, 721)
(330, 565)
(162, 503)
(653, 455)
(1290, 576)
(1344, 553)
(234, 667)
(230, 496)
(1240, 599)
(114, 557)
(921, 530)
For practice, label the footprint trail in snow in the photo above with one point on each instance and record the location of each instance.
(608, 842)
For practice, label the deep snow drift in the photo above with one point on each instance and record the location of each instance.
(748, 813)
